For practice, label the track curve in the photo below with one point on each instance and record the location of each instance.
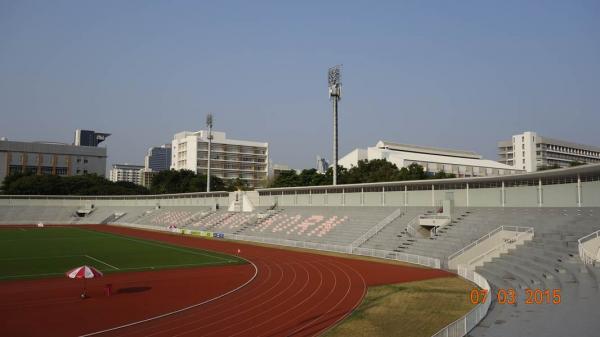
(294, 293)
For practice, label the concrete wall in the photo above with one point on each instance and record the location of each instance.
(482, 197)
(590, 194)
(559, 195)
(564, 195)
(526, 196)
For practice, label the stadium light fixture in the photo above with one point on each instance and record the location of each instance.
(209, 124)
(335, 95)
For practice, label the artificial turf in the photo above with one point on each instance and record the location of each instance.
(51, 251)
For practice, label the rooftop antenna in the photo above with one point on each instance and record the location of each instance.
(209, 124)
(335, 95)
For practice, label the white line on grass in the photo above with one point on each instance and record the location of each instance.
(98, 260)
(37, 257)
(154, 243)
(174, 266)
(27, 275)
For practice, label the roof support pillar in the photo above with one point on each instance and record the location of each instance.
(578, 190)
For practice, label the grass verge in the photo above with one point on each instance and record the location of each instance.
(413, 309)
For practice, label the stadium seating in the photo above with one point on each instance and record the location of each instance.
(549, 261)
(29, 214)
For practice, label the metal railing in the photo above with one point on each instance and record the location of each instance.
(410, 227)
(384, 254)
(458, 328)
(398, 256)
(519, 233)
(503, 247)
(463, 325)
(378, 227)
(586, 256)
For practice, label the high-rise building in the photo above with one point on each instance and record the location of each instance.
(50, 158)
(89, 138)
(433, 160)
(529, 151)
(146, 177)
(127, 172)
(158, 158)
(230, 158)
(322, 165)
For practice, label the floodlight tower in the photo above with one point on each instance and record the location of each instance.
(209, 124)
(335, 95)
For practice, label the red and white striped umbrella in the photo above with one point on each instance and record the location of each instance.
(84, 272)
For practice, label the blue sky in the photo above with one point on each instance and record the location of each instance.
(456, 74)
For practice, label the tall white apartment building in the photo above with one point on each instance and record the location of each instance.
(127, 172)
(230, 158)
(433, 160)
(529, 151)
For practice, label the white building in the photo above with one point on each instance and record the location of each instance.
(529, 151)
(433, 160)
(127, 172)
(230, 158)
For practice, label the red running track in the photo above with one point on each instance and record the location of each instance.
(292, 294)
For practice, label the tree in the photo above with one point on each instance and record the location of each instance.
(183, 181)
(88, 184)
(376, 170)
(548, 167)
(576, 163)
(443, 175)
(237, 184)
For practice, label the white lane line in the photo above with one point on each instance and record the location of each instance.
(180, 310)
(104, 263)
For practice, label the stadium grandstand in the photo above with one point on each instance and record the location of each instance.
(526, 231)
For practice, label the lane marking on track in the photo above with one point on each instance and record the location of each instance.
(222, 322)
(179, 310)
(187, 318)
(343, 317)
(104, 263)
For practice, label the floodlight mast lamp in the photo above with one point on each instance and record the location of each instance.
(335, 95)
(209, 124)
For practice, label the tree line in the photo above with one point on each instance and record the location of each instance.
(366, 171)
(184, 181)
(91, 184)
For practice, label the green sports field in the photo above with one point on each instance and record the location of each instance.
(51, 251)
